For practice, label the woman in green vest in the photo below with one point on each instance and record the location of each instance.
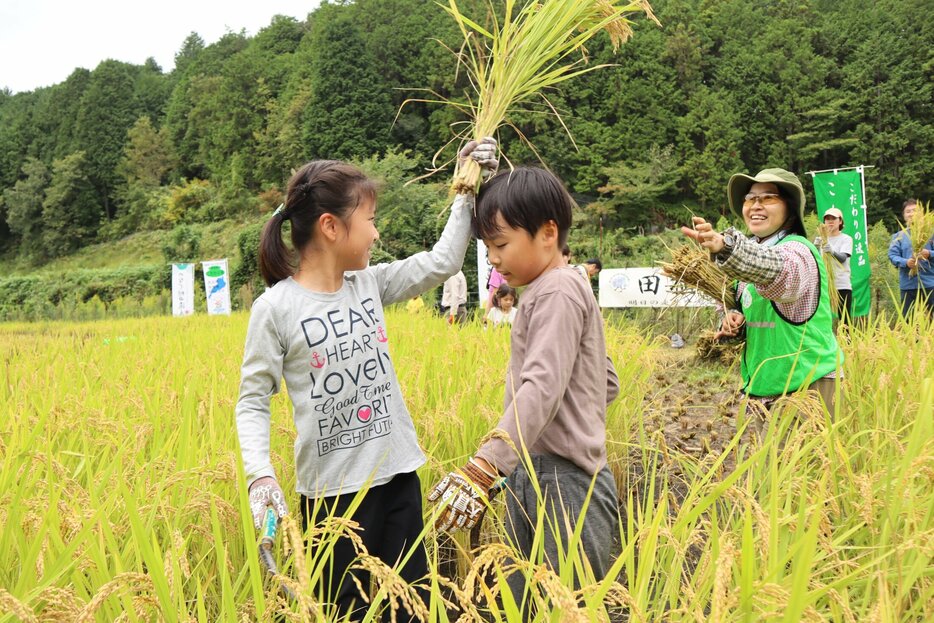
(782, 293)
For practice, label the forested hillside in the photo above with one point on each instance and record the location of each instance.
(721, 86)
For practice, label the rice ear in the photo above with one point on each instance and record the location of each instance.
(690, 265)
(526, 52)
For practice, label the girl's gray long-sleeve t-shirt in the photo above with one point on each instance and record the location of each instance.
(352, 425)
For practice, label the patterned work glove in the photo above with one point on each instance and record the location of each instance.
(464, 491)
(484, 153)
(266, 492)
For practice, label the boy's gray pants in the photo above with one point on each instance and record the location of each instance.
(564, 487)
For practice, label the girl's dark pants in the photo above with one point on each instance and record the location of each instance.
(390, 518)
(564, 487)
(845, 312)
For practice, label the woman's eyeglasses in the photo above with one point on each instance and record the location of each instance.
(766, 199)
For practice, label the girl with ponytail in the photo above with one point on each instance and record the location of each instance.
(320, 326)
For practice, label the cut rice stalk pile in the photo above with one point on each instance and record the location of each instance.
(526, 51)
(711, 349)
(920, 231)
(691, 266)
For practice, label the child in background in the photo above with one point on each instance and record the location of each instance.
(558, 383)
(504, 306)
(321, 326)
(415, 305)
(492, 284)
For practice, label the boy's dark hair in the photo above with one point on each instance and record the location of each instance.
(526, 198)
(319, 187)
(596, 262)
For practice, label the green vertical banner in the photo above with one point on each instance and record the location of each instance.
(843, 189)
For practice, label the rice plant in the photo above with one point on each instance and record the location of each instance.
(123, 496)
(530, 48)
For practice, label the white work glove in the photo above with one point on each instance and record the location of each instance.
(483, 153)
(266, 492)
(826, 248)
(465, 492)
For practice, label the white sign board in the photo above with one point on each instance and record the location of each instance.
(645, 287)
(217, 286)
(183, 289)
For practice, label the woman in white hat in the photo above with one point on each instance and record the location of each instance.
(840, 247)
(782, 289)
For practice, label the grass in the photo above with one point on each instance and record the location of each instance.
(122, 494)
(217, 240)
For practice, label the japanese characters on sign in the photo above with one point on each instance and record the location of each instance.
(645, 287)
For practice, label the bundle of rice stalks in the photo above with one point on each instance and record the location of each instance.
(830, 264)
(920, 229)
(532, 49)
(724, 351)
(690, 265)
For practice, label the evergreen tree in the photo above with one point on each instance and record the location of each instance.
(23, 206)
(191, 49)
(107, 111)
(70, 211)
(711, 138)
(349, 114)
(636, 191)
(147, 160)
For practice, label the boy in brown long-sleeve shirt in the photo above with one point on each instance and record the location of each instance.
(558, 384)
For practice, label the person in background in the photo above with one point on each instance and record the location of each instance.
(593, 266)
(840, 247)
(492, 284)
(566, 254)
(782, 291)
(454, 298)
(589, 269)
(415, 305)
(558, 385)
(917, 288)
(504, 308)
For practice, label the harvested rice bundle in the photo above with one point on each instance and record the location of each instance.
(920, 229)
(531, 49)
(711, 348)
(690, 265)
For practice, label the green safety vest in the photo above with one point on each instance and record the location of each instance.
(781, 356)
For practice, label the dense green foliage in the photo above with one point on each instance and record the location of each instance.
(55, 296)
(720, 87)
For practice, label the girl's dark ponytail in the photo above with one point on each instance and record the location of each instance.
(275, 259)
(319, 187)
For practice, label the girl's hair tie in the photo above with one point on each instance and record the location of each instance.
(281, 212)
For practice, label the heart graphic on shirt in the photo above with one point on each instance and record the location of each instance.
(364, 413)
